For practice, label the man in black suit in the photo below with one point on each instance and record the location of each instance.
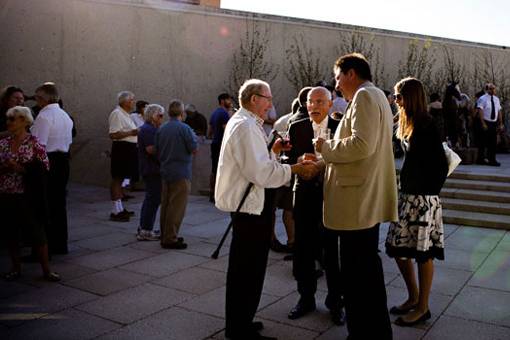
(311, 238)
(302, 111)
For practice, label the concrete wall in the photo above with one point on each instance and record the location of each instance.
(158, 49)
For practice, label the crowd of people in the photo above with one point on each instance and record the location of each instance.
(328, 164)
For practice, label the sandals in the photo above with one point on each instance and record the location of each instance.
(11, 276)
(52, 277)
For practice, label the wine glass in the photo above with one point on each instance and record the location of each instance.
(285, 141)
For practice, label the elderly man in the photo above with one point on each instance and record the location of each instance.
(244, 159)
(176, 143)
(149, 168)
(53, 128)
(123, 133)
(491, 120)
(196, 120)
(310, 235)
(360, 192)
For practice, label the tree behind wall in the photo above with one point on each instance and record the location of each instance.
(304, 65)
(419, 63)
(355, 41)
(489, 68)
(250, 59)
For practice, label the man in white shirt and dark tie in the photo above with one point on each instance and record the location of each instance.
(491, 120)
(53, 128)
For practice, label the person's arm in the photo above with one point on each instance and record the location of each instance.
(365, 129)
(191, 140)
(41, 129)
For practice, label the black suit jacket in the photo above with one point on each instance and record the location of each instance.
(301, 135)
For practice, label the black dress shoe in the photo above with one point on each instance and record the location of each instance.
(400, 322)
(494, 163)
(257, 326)
(277, 247)
(338, 317)
(128, 213)
(300, 310)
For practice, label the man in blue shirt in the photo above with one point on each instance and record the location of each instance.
(176, 144)
(217, 123)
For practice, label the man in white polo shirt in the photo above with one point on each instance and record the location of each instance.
(491, 119)
(123, 133)
(53, 128)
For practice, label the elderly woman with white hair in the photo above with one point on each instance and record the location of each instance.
(149, 169)
(124, 164)
(23, 170)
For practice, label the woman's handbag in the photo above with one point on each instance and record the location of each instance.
(452, 158)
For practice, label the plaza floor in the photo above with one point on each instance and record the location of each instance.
(115, 287)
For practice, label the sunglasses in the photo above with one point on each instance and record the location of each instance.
(397, 96)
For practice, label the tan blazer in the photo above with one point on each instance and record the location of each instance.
(360, 187)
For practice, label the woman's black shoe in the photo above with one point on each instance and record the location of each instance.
(402, 323)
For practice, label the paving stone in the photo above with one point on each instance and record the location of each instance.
(108, 281)
(12, 288)
(208, 229)
(174, 323)
(108, 241)
(437, 304)
(194, 280)
(201, 217)
(462, 259)
(135, 303)
(165, 264)
(494, 272)
(474, 239)
(280, 331)
(89, 230)
(200, 249)
(279, 281)
(446, 281)
(111, 258)
(318, 321)
(459, 329)
(449, 229)
(504, 244)
(69, 324)
(220, 264)
(69, 271)
(39, 302)
(495, 306)
(213, 302)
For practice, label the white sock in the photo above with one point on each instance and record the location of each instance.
(114, 207)
(120, 207)
(117, 206)
(126, 182)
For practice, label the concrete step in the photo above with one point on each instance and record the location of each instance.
(476, 219)
(476, 206)
(475, 195)
(480, 177)
(477, 185)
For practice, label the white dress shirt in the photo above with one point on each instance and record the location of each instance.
(53, 128)
(120, 121)
(317, 129)
(244, 158)
(484, 104)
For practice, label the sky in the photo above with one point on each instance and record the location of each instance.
(485, 21)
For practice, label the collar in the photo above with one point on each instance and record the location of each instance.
(50, 106)
(252, 115)
(323, 124)
(121, 109)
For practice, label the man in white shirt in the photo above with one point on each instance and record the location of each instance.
(244, 159)
(53, 128)
(123, 133)
(491, 120)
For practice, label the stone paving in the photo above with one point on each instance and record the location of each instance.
(115, 287)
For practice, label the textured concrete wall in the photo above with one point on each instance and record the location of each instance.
(158, 49)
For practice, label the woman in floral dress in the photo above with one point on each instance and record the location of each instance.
(23, 168)
(419, 232)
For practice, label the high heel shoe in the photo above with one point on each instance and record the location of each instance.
(401, 322)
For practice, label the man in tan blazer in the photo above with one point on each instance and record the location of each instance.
(360, 191)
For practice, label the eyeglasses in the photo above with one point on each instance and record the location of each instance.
(267, 97)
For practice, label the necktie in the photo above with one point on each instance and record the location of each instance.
(493, 109)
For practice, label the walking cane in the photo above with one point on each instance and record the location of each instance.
(248, 189)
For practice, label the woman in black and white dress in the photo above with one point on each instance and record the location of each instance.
(419, 232)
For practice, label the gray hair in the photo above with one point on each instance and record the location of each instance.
(122, 96)
(250, 88)
(21, 111)
(48, 92)
(175, 108)
(151, 110)
(320, 88)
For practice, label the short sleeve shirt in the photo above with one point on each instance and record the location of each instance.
(120, 121)
(219, 118)
(484, 104)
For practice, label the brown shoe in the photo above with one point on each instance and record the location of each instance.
(120, 217)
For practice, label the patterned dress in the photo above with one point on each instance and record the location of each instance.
(419, 233)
